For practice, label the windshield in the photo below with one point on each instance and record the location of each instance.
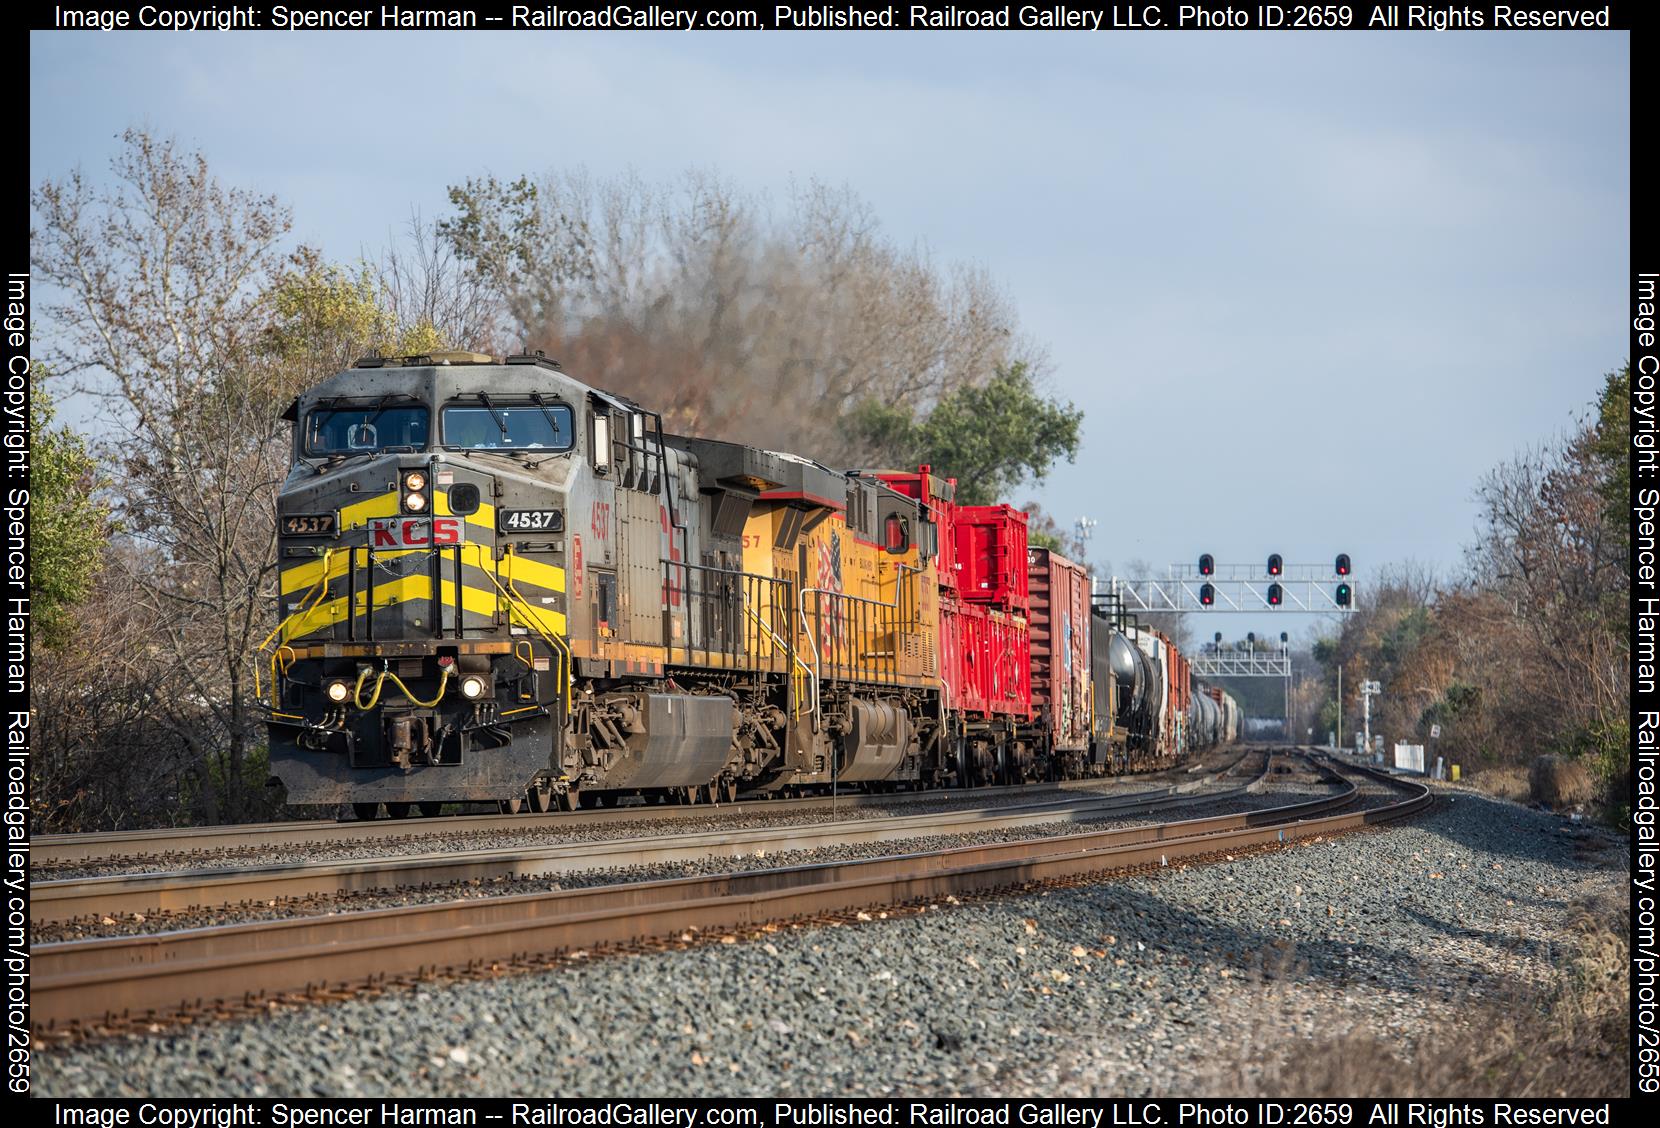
(365, 428)
(509, 426)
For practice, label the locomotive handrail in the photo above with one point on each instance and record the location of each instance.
(812, 677)
(312, 598)
(555, 644)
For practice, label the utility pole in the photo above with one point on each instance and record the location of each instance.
(1340, 708)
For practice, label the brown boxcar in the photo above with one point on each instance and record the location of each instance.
(1059, 619)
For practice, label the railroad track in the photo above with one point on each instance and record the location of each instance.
(57, 849)
(152, 893)
(92, 985)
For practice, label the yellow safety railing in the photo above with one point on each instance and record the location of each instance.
(528, 613)
(313, 597)
(798, 676)
(519, 610)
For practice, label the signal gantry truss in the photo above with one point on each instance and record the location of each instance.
(1241, 664)
(1236, 587)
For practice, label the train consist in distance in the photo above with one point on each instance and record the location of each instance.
(500, 584)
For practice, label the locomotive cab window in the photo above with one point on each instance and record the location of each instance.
(487, 424)
(896, 534)
(366, 428)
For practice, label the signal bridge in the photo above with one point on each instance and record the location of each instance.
(1311, 589)
(1213, 663)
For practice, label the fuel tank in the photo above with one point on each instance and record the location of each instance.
(673, 740)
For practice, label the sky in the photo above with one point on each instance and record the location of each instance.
(1307, 289)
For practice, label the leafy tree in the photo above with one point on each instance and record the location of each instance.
(990, 436)
(325, 316)
(68, 526)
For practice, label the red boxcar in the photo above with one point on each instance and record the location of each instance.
(991, 555)
(1059, 619)
(985, 646)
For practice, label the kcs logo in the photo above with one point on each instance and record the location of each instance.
(415, 532)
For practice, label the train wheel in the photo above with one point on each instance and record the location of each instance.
(538, 798)
(571, 799)
(365, 812)
(429, 810)
(510, 806)
(397, 810)
(729, 791)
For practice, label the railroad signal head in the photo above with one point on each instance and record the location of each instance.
(1342, 568)
(1207, 595)
(1219, 638)
(1251, 637)
(1275, 565)
(1344, 595)
(1276, 595)
(1207, 565)
(1284, 637)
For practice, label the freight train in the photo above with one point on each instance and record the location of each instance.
(500, 584)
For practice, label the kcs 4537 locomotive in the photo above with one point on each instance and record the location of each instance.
(501, 584)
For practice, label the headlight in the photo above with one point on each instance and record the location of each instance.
(338, 691)
(472, 687)
(414, 487)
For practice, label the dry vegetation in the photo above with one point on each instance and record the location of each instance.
(1528, 652)
(1566, 1037)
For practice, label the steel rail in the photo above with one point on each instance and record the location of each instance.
(97, 845)
(87, 982)
(62, 900)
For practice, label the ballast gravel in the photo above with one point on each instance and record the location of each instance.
(1122, 987)
(1278, 792)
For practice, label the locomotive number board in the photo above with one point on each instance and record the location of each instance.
(530, 520)
(307, 525)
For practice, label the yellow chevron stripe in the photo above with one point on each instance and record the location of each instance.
(484, 518)
(300, 576)
(359, 513)
(393, 592)
(522, 569)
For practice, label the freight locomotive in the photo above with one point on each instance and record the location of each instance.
(498, 583)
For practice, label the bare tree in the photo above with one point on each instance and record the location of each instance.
(168, 278)
(421, 282)
(1546, 546)
(705, 300)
